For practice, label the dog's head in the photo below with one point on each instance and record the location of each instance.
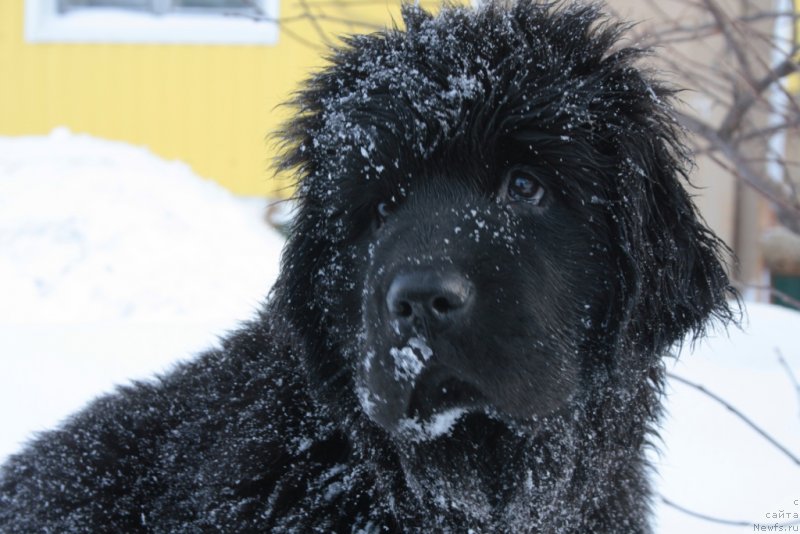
(491, 211)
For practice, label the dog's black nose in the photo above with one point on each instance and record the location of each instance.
(428, 297)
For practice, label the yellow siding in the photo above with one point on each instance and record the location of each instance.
(210, 106)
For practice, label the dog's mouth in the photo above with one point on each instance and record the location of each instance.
(412, 394)
(436, 403)
(437, 390)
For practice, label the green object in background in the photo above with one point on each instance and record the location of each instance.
(788, 285)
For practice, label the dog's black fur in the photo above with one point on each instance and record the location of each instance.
(492, 254)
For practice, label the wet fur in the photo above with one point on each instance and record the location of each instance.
(273, 431)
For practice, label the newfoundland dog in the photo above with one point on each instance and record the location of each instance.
(492, 253)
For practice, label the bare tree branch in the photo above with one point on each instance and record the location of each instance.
(705, 517)
(741, 167)
(780, 295)
(314, 22)
(745, 101)
(772, 441)
(728, 29)
(748, 112)
(789, 373)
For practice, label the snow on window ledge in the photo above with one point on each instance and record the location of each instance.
(44, 24)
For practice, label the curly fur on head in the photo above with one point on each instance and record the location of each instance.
(548, 80)
(492, 253)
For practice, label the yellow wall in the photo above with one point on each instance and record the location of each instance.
(210, 106)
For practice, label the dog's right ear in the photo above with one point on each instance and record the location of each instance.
(672, 267)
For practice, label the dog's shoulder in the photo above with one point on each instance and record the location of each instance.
(233, 437)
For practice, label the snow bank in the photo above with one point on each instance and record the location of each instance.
(113, 264)
(98, 230)
(713, 463)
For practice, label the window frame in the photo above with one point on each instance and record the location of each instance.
(44, 23)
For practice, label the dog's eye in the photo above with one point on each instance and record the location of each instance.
(382, 212)
(383, 209)
(522, 187)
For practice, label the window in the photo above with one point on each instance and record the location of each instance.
(161, 7)
(152, 21)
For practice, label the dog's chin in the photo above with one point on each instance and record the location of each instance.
(437, 402)
(417, 391)
(438, 391)
(438, 425)
(441, 407)
(425, 408)
(465, 425)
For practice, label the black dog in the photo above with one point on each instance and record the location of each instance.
(492, 254)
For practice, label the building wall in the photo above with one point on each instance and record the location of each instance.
(214, 106)
(210, 106)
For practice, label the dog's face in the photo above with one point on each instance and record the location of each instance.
(491, 217)
(483, 282)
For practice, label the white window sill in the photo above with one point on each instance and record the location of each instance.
(107, 25)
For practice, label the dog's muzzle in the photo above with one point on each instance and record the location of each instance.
(429, 301)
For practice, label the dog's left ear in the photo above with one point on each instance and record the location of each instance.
(673, 276)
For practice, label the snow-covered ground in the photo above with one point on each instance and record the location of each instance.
(710, 461)
(114, 264)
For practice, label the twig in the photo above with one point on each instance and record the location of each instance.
(727, 27)
(702, 389)
(744, 102)
(314, 20)
(705, 517)
(778, 294)
(740, 166)
(789, 373)
(763, 133)
(308, 15)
